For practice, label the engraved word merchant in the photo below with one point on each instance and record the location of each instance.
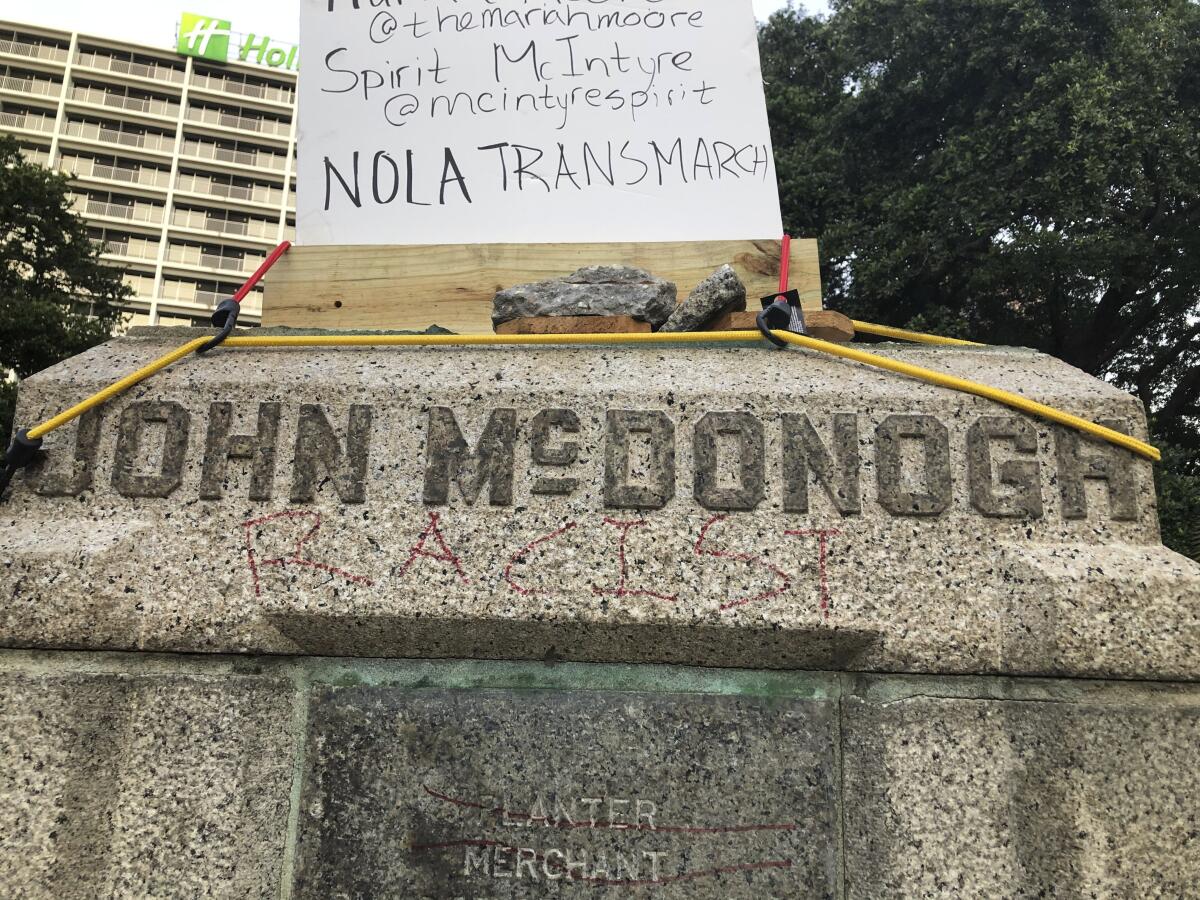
(735, 460)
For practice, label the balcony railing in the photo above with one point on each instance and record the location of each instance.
(145, 140)
(232, 191)
(231, 263)
(88, 168)
(231, 86)
(35, 51)
(128, 67)
(250, 193)
(255, 228)
(256, 194)
(194, 256)
(131, 250)
(211, 298)
(28, 121)
(145, 177)
(179, 292)
(142, 287)
(240, 123)
(123, 101)
(227, 226)
(30, 85)
(34, 155)
(256, 159)
(131, 213)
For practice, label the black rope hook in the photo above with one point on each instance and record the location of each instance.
(21, 453)
(781, 312)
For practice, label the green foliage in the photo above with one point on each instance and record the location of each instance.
(1178, 482)
(56, 298)
(8, 404)
(1017, 171)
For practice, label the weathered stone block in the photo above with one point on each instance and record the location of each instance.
(142, 785)
(634, 504)
(721, 292)
(1023, 790)
(138, 776)
(532, 794)
(593, 291)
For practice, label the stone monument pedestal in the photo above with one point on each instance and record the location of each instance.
(492, 623)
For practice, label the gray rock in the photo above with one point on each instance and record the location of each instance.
(592, 291)
(721, 291)
(610, 275)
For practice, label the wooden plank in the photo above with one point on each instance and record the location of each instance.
(575, 325)
(453, 286)
(821, 323)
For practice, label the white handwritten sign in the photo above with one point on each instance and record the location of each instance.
(527, 121)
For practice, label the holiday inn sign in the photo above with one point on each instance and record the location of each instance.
(211, 38)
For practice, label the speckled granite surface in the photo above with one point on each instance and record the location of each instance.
(522, 793)
(123, 783)
(707, 505)
(979, 792)
(716, 506)
(138, 775)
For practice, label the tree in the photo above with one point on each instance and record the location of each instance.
(1178, 483)
(56, 298)
(1021, 170)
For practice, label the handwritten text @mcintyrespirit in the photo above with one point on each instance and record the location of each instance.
(738, 460)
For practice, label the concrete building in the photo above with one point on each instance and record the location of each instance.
(184, 168)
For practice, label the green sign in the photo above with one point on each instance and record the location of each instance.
(207, 37)
(204, 37)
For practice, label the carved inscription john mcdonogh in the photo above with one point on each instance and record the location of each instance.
(617, 506)
(910, 458)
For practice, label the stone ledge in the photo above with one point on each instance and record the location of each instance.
(733, 507)
(185, 776)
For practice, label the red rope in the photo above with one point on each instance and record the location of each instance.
(785, 264)
(262, 270)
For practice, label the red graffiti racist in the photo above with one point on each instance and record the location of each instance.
(781, 582)
(521, 555)
(622, 589)
(822, 535)
(784, 583)
(447, 555)
(251, 529)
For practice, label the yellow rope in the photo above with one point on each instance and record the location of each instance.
(116, 388)
(915, 337)
(495, 340)
(535, 340)
(1007, 398)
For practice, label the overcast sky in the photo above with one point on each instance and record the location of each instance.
(154, 21)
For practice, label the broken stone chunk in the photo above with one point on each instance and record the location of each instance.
(609, 275)
(721, 292)
(592, 291)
